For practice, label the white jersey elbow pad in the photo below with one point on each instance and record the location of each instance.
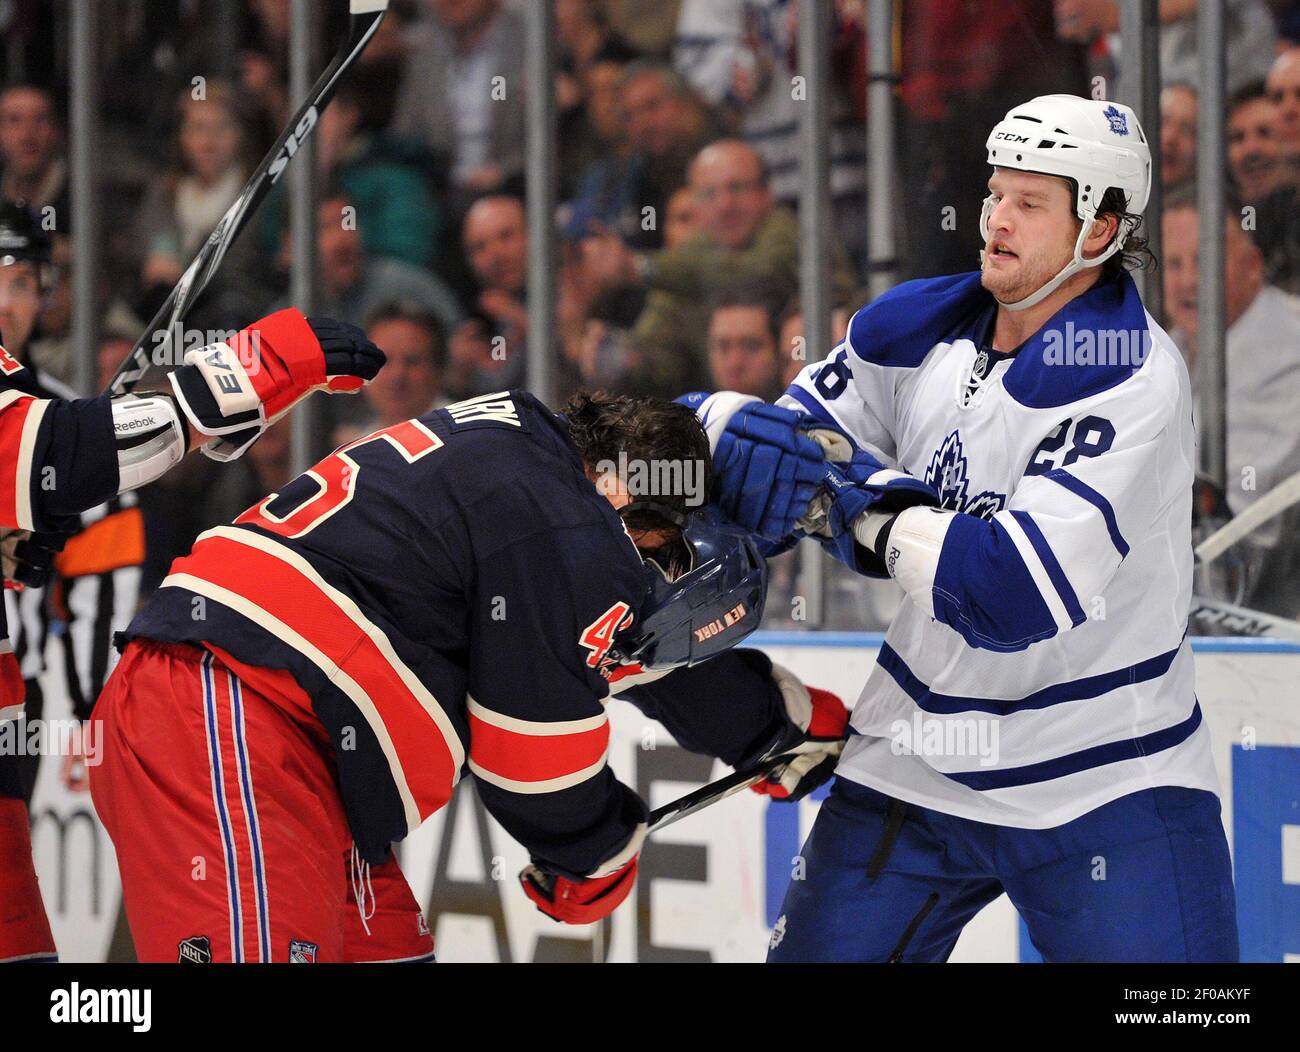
(150, 436)
(912, 552)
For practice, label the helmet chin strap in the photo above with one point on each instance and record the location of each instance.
(1075, 265)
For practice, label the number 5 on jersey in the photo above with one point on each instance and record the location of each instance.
(336, 479)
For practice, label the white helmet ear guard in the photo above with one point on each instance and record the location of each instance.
(1094, 144)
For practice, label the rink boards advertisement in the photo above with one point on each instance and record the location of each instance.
(710, 887)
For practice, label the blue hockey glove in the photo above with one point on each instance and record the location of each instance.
(767, 467)
(854, 484)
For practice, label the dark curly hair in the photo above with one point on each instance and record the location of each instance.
(650, 430)
(1136, 254)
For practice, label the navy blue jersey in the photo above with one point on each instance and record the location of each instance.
(445, 592)
(57, 458)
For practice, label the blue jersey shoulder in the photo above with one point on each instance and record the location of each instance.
(1092, 344)
(901, 327)
(1095, 342)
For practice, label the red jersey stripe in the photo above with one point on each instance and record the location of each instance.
(20, 421)
(280, 591)
(506, 749)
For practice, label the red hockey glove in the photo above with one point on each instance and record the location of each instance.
(824, 721)
(578, 901)
(235, 390)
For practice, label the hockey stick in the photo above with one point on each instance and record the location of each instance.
(1245, 622)
(708, 795)
(1273, 503)
(362, 25)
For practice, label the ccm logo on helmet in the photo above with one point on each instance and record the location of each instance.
(1011, 137)
(721, 624)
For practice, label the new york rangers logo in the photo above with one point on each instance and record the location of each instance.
(1118, 120)
(301, 952)
(949, 474)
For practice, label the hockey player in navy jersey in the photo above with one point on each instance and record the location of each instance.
(1031, 725)
(65, 627)
(458, 592)
(60, 457)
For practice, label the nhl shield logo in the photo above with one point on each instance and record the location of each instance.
(302, 952)
(197, 949)
(1118, 120)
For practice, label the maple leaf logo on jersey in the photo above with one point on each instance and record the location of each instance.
(948, 473)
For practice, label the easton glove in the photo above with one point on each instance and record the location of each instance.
(235, 390)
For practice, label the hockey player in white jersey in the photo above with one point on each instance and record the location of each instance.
(1031, 724)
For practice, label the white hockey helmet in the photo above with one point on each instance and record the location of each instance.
(1095, 144)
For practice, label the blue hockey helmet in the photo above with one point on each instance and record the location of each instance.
(701, 601)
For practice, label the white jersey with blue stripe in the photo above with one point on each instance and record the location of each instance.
(1040, 667)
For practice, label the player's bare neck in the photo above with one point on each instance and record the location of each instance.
(1012, 328)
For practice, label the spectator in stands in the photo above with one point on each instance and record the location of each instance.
(32, 165)
(416, 346)
(1254, 154)
(647, 25)
(741, 59)
(585, 36)
(1263, 376)
(33, 169)
(666, 118)
(793, 344)
(462, 93)
(353, 283)
(487, 351)
(594, 152)
(744, 236)
(1283, 85)
(744, 353)
(658, 125)
(963, 66)
(52, 347)
(115, 342)
(1177, 135)
(410, 383)
(596, 325)
(384, 178)
(1250, 30)
(586, 43)
(1278, 231)
(681, 217)
(184, 203)
(666, 124)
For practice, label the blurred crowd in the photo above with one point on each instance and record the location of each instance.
(678, 176)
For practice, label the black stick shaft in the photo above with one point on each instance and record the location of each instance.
(367, 14)
(708, 795)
